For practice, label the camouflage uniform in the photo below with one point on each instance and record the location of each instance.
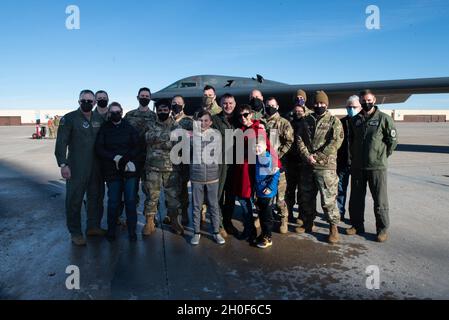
(142, 122)
(160, 172)
(320, 136)
(186, 123)
(286, 138)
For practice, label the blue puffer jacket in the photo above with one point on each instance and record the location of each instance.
(266, 176)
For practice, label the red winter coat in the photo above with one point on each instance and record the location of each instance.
(244, 174)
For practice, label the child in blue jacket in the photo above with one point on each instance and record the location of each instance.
(267, 178)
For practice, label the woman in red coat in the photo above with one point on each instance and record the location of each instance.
(244, 171)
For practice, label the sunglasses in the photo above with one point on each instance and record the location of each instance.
(245, 115)
(87, 101)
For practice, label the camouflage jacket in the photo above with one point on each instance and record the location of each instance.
(321, 137)
(159, 146)
(141, 121)
(185, 122)
(284, 131)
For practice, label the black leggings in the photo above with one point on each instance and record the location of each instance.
(265, 215)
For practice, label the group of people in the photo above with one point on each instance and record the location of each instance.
(277, 162)
(53, 125)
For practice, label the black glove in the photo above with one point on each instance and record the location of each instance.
(122, 163)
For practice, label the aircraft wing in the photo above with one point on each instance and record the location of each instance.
(390, 91)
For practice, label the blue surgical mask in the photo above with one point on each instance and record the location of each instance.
(351, 112)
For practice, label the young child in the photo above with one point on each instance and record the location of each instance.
(204, 177)
(266, 184)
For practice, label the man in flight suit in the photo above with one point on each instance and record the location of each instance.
(77, 132)
(373, 137)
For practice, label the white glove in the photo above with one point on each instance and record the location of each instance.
(117, 159)
(130, 167)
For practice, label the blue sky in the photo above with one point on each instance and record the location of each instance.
(124, 45)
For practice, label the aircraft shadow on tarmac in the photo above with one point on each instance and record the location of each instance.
(422, 148)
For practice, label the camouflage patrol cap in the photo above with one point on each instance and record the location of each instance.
(301, 93)
(321, 96)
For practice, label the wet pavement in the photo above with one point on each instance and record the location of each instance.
(36, 250)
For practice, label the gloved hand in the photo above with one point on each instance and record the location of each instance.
(130, 167)
(117, 159)
(122, 163)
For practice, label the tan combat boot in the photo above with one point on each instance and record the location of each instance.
(306, 229)
(382, 237)
(333, 234)
(79, 241)
(176, 226)
(149, 227)
(284, 225)
(223, 233)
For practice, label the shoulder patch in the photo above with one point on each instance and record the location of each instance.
(393, 133)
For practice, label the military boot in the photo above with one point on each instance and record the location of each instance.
(382, 236)
(333, 234)
(79, 240)
(284, 225)
(150, 227)
(306, 228)
(175, 225)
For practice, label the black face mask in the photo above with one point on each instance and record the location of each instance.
(163, 116)
(176, 108)
(86, 106)
(319, 110)
(271, 111)
(367, 106)
(102, 103)
(116, 116)
(256, 104)
(144, 102)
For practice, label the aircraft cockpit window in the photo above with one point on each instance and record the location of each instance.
(188, 84)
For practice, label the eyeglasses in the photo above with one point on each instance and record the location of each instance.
(87, 101)
(245, 115)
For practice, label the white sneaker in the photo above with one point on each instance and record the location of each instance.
(219, 239)
(195, 239)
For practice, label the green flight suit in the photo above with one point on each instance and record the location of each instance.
(372, 140)
(78, 134)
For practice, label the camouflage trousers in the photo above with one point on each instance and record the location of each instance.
(324, 182)
(167, 181)
(280, 197)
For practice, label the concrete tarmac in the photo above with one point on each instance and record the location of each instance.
(35, 247)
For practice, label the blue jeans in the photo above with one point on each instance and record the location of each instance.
(343, 181)
(248, 220)
(116, 188)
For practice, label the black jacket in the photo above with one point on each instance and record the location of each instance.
(113, 140)
(344, 153)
